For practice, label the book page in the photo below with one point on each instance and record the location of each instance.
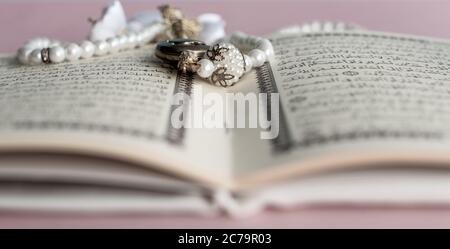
(117, 106)
(99, 95)
(389, 187)
(351, 97)
(75, 183)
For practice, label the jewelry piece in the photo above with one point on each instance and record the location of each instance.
(178, 26)
(44, 50)
(223, 63)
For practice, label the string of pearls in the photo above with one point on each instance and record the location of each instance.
(226, 62)
(44, 50)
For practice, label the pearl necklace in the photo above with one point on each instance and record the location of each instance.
(44, 50)
(224, 63)
(173, 24)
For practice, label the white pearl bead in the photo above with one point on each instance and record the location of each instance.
(266, 46)
(146, 36)
(113, 44)
(39, 42)
(101, 48)
(57, 54)
(139, 40)
(123, 42)
(131, 40)
(153, 31)
(152, 35)
(206, 68)
(35, 57)
(87, 49)
(248, 63)
(258, 57)
(237, 37)
(263, 44)
(73, 52)
(23, 55)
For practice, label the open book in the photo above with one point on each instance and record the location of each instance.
(363, 118)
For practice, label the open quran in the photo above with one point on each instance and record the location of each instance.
(363, 118)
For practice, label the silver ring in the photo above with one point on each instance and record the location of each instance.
(170, 50)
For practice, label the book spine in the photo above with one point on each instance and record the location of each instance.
(267, 84)
(183, 85)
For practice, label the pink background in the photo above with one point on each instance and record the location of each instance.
(67, 20)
